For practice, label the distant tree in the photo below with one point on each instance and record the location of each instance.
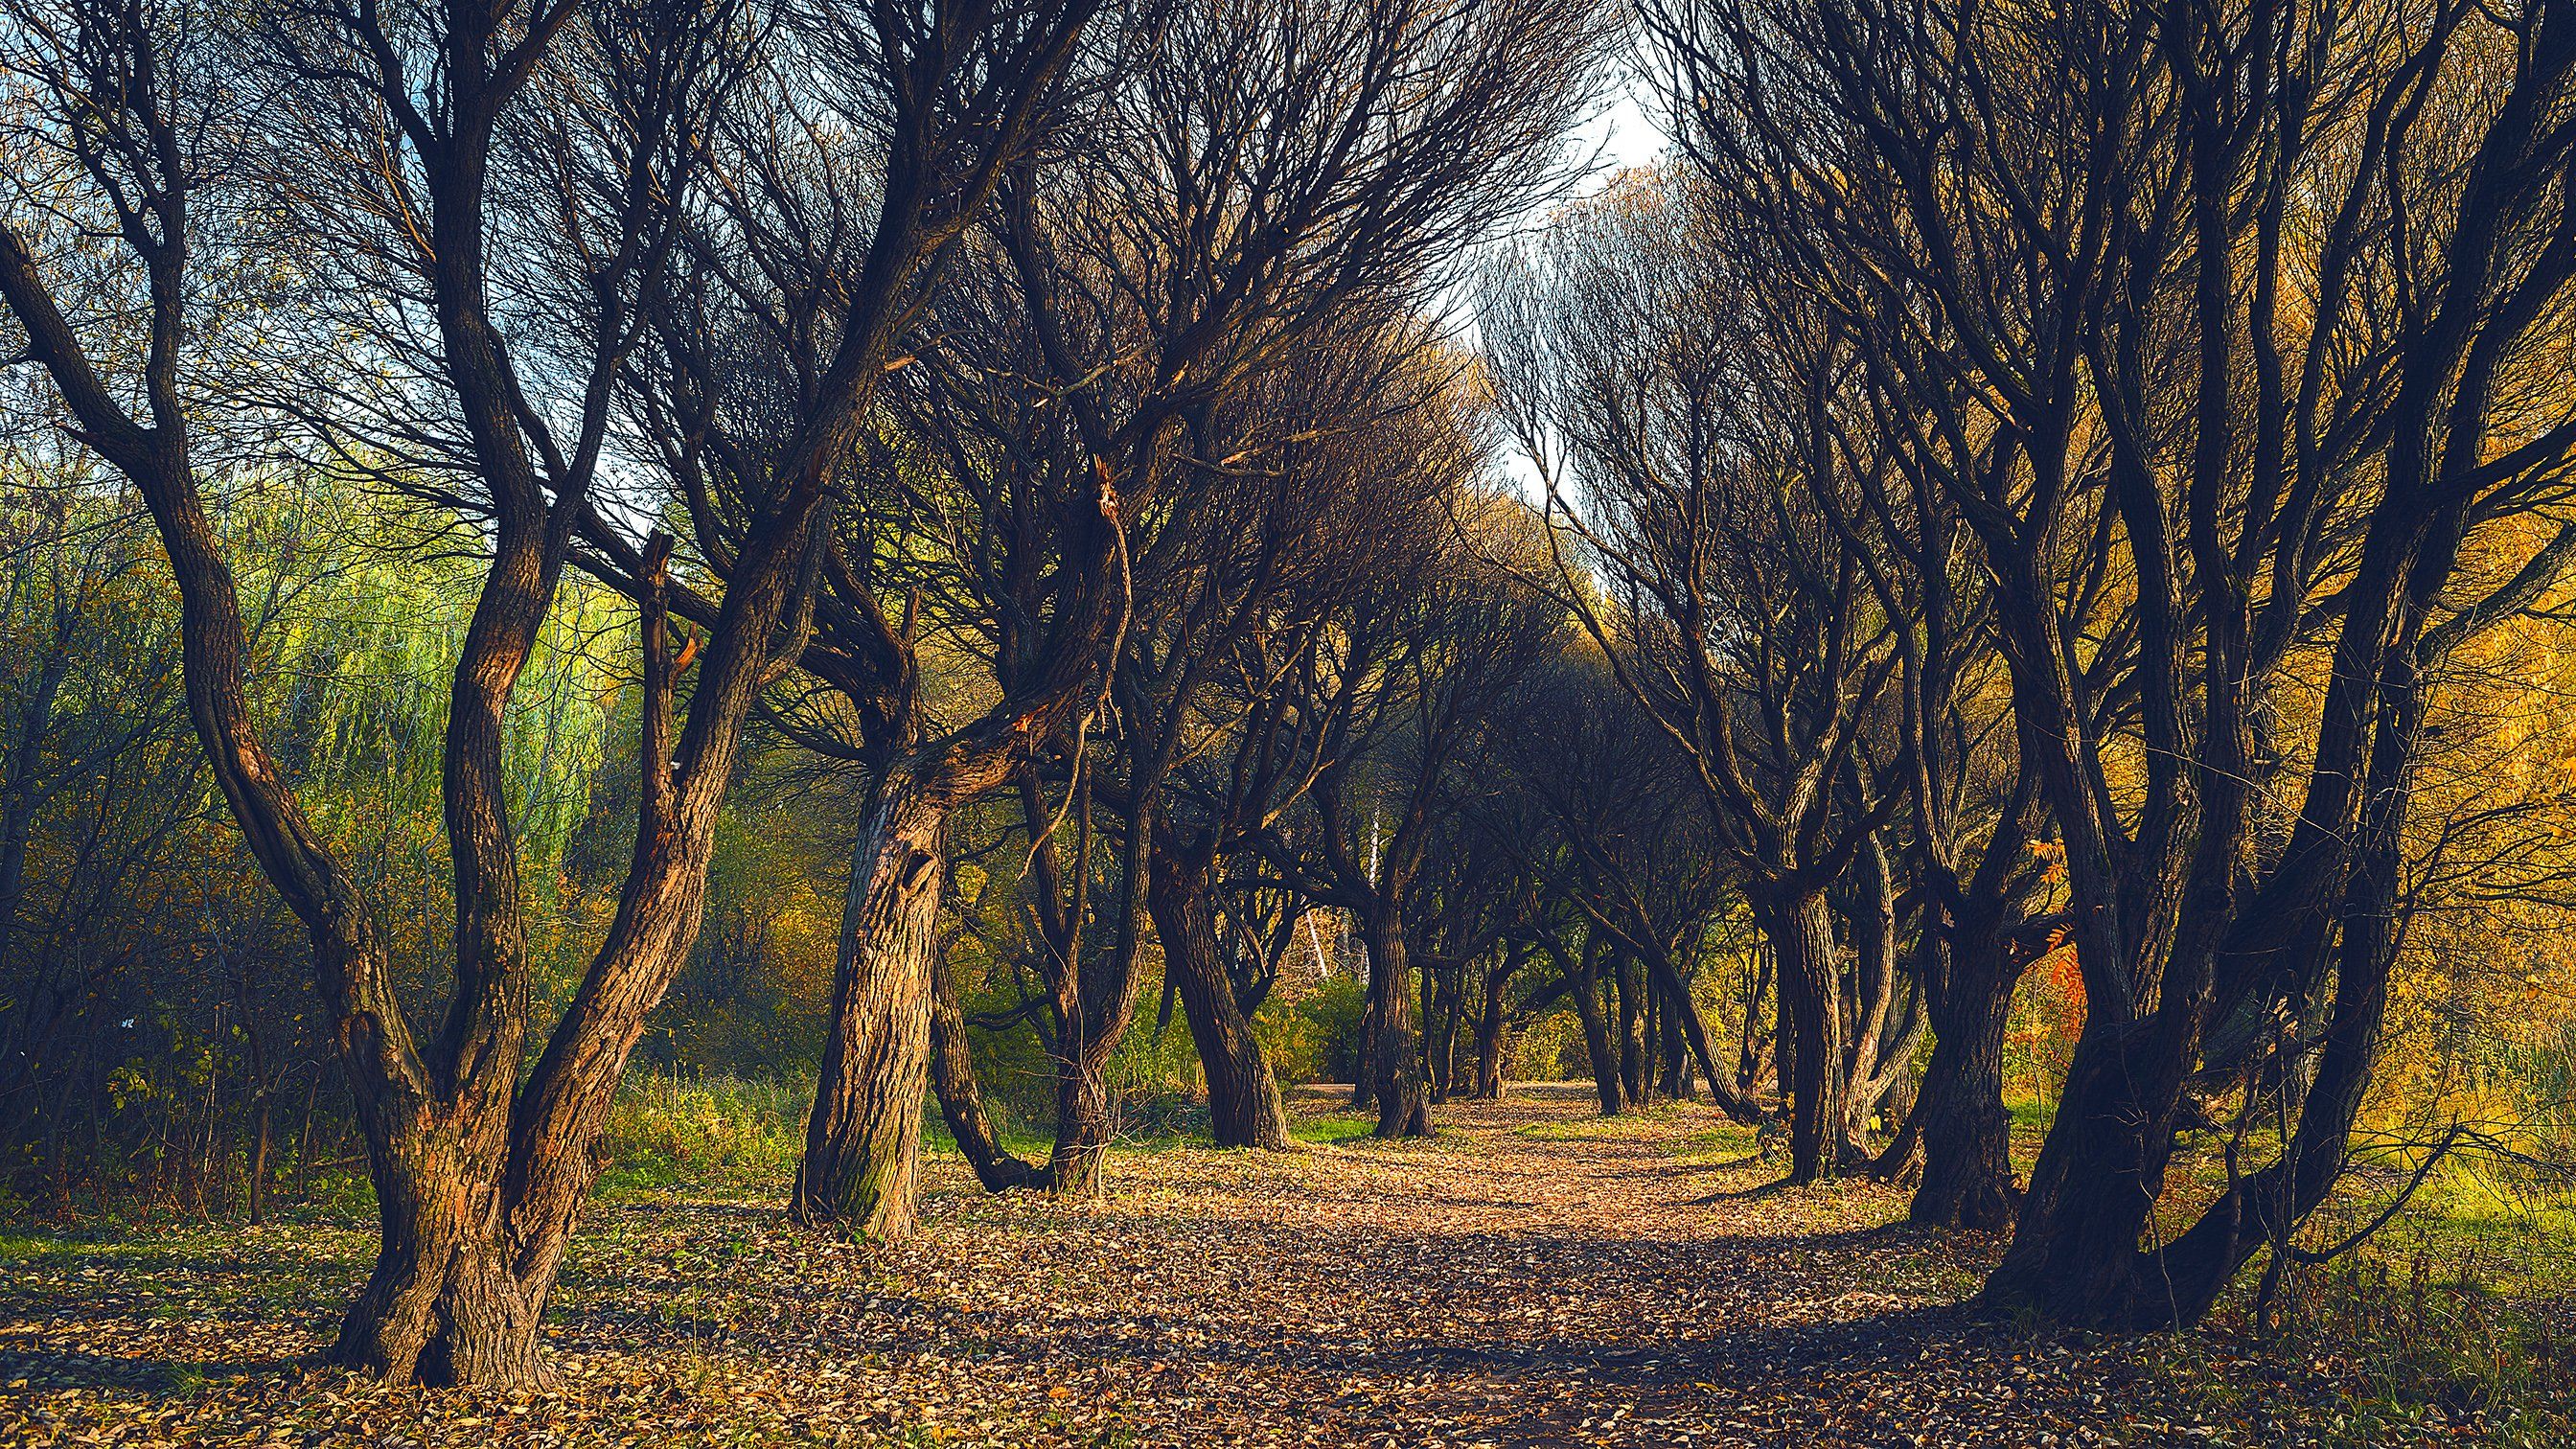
(1244, 178)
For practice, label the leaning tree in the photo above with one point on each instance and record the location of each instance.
(528, 176)
(2246, 315)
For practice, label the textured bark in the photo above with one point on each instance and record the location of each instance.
(1403, 1108)
(1803, 935)
(861, 1171)
(1244, 1107)
(961, 1100)
(1966, 1134)
(442, 1305)
(1084, 1126)
(255, 1184)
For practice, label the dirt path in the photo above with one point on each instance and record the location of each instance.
(1531, 1276)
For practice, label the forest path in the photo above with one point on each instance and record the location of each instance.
(1532, 1275)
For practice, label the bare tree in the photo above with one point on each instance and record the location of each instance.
(479, 1172)
(1240, 182)
(1700, 475)
(2210, 311)
(1408, 684)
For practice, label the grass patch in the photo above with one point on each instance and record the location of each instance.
(1729, 1142)
(1333, 1128)
(720, 1133)
(1634, 1123)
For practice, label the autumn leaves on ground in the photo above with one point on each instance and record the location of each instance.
(1532, 1275)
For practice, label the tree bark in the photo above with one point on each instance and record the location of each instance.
(1393, 1063)
(1966, 1133)
(961, 1100)
(1244, 1107)
(442, 1304)
(1803, 938)
(861, 1171)
(1084, 1123)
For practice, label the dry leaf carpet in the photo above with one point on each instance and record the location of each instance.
(1533, 1275)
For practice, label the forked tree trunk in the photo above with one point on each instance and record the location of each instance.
(1393, 1063)
(1244, 1108)
(442, 1305)
(861, 1171)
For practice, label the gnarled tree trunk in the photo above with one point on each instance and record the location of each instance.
(1394, 1069)
(861, 1171)
(1966, 1134)
(1244, 1108)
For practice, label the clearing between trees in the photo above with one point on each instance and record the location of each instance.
(1531, 1275)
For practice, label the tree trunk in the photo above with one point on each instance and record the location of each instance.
(961, 1101)
(1392, 1060)
(1680, 1081)
(1600, 1055)
(1811, 1003)
(254, 1190)
(443, 1305)
(1244, 1108)
(304, 1137)
(1966, 1133)
(1444, 991)
(1492, 1023)
(861, 1171)
(1632, 1062)
(1084, 1122)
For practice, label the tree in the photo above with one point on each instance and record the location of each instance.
(2213, 311)
(1407, 685)
(479, 1174)
(1240, 182)
(1701, 475)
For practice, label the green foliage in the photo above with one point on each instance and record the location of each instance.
(2450, 1321)
(1315, 1037)
(1154, 1076)
(163, 989)
(1548, 1049)
(668, 1131)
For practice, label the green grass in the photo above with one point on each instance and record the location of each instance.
(1332, 1129)
(702, 1132)
(1648, 1121)
(2031, 1117)
(1729, 1142)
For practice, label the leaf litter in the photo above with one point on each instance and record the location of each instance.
(1530, 1276)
